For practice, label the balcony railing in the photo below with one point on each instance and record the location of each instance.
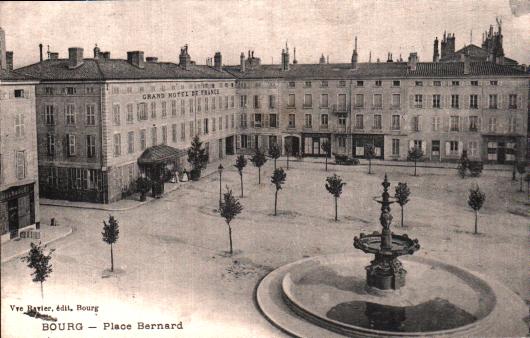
(338, 109)
(342, 129)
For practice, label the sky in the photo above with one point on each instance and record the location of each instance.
(160, 28)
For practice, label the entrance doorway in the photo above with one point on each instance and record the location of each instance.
(12, 211)
(292, 145)
(220, 148)
(435, 150)
(501, 152)
(229, 145)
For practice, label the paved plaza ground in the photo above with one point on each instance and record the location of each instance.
(171, 262)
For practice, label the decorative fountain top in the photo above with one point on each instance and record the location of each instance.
(386, 271)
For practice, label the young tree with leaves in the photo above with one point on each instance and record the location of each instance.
(334, 186)
(258, 159)
(402, 196)
(415, 154)
(326, 148)
(274, 153)
(110, 236)
(463, 165)
(521, 169)
(476, 200)
(278, 178)
(369, 153)
(230, 208)
(197, 157)
(241, 163)
(40, 263)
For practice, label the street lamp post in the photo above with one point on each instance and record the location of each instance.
(220, 170)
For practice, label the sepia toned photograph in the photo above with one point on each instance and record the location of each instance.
(264, 168)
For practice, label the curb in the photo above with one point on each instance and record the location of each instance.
(5, 260)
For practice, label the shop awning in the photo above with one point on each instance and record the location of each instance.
(160, 154)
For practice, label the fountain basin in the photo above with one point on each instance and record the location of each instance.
(327, 296)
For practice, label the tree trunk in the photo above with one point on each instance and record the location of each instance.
(521, 183)
(336, 219)
(241, 179)
(369, 166)
(287, 161)
(476, 222)
(275, 201)
(41, 291)
(402, 216)
(414, 167)
(274, 164)
(326, 162)
(111, 259)
(230, 237)
(259, 175)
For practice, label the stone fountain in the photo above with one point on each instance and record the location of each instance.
(349, 295)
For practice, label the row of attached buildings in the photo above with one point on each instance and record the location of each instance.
(95, 124)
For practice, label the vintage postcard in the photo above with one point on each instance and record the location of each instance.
(267, 168)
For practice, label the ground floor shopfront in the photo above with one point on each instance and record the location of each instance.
(18, 209)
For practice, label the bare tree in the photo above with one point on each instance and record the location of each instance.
(476, 200)
(230, 208)
(334, 186)
(278, 178)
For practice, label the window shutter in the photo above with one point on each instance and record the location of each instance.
(446, 123)
(460, 147)
(447, 148)
(445, 101)
(411, 144)
(411, 123)
(519, 101)
(238, 142)
(411, 101)
(465, 123)
(424, 147)
(266, 120)
(419, 123)
(479, 127)
(461, 123)
(252, 120)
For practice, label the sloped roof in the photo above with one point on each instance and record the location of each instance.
(444, 69)
(476, 53)
(160, 153)
(117, 69)
(14, 76)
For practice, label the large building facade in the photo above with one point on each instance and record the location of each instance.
(19, 188)
(98, 118)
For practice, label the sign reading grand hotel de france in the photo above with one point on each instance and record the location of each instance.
(203, 92)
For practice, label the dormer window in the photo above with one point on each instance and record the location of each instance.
(19, 93)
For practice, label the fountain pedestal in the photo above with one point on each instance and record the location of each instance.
(385, 273)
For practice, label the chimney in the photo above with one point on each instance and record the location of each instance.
(436, 54)
(413, 60)
(242, 62)
(389, 57)
(322, 60)
(105, 55)
(136, 58)
(184, 57)
(40, 51)
(96, 52)
(354, 56)
(285, 58)
(75, 57)
(294, 57)
(53, 56)
(218, 61)
(151, 59)
(9, 61)
(467, 65)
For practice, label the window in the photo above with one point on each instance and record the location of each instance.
(493, 101)
(232, 121)
(164, 109)
(154, 135)
(492, 124)
(324, 83)
(454, 101)
(474, 83)
(324, 120)
(214, 120)
(190, 101)
(206, 104)
(419, 83)
(20, 164)
(435, 123)
(324, 103)
(273, 120)
(378, 101)
(307, 84)
(272, 101)
(49, 114)
(513, 101)
(436, 101)
(164, 134)
(396, 83)
(377, 122)
(308, 101)
(206, 126)
(19, 125)
(115, 90)
(199, 127)
(418, 100)
(226, 121)
(359, 121)
(494, 83)
(395, 147)
(117, 145)
(396, 100)
(291, 84)
(143, 142)
(257, 101)
(292, 121)
(243, 121)
(415, 123)
(342, 120)
(129, 90)
(473, 101)
(359, 100)
(437, 83)
(130, 113)
(226, 102)
(360, 83)
(49, 90)
(243, 101)
(199, 104)
(153, 110)
(341, 141)
(455, 83)
(342, 102)
(53, 177)
(473, 149)
(70, 90)
(19, 93)
(70, 142)
(51, 145)
(142, 111)
(183, 131)
(244, 141)
(130, 142)
(453, 148)
(308, 121)
(473, 123)
(182, 107)
(232, 104)
(512, 124)
(174, 132)
(90, 146)
(455, 121)
(342, 83)
(395, 122)
(291, 102)
(116, 114)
